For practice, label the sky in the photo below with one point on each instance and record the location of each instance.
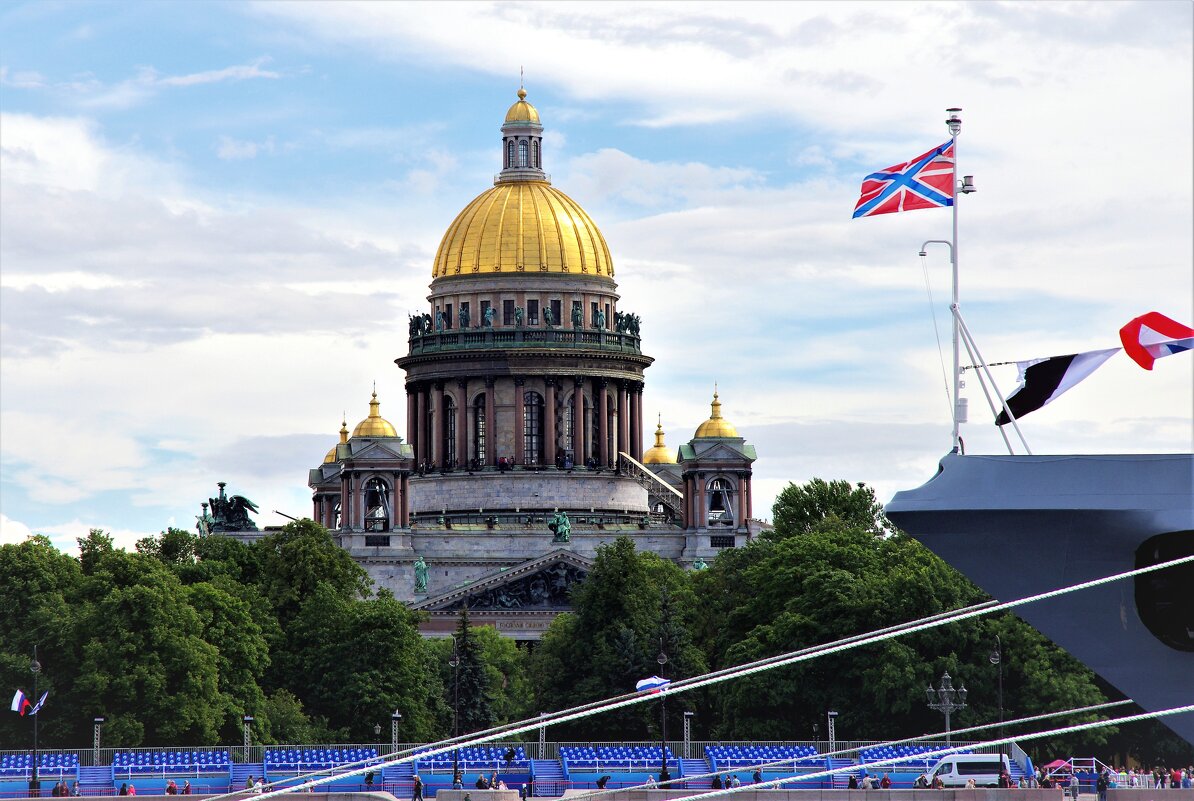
(215, 219)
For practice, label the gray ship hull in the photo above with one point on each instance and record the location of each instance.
(1021, 525)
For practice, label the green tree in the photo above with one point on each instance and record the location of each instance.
(798, 509)
(505, 663)
(610, 641)
(291, 562)
(469, 688)
(359, 660)
(37, 596)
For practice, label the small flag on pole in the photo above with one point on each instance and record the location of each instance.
(40, 703)
(925, 182)
(654, 684)
(1152, 336)
(20, 703)
(1043, 381)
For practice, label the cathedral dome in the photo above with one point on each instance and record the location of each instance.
(659, 453)
(374, 426)
(523, 226)
(716, 426)
(522, 111)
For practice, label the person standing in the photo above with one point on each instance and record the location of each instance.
(1101, 784)
(417, 792)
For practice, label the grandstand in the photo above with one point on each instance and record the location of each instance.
(564, 766)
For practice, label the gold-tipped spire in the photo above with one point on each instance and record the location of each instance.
(660, 453)
(331, 455)
(716, 425)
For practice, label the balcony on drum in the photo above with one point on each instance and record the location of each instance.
(551, 338)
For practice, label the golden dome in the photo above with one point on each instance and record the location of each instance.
(522, 111)
(716, 425)
(331, 457)
(523, 226)
(659, 453)
(374, 426)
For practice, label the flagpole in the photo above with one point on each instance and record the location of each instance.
(955, 127)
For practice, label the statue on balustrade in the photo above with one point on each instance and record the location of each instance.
(578, 316)
(439, 320)
(518, 316)
(561, 527)
(464, 318)
(488, 315)
(549, 317)
(420, 575)
(599, 320)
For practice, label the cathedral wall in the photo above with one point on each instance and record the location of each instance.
(520, 490)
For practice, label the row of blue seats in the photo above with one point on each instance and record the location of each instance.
(892, 752)
(318, 756)
(45, 760)
(123, 759)
(613, 752)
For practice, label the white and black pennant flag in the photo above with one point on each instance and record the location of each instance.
(1044, 380)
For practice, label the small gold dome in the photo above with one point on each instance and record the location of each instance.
(659, 453)
(523, 226)
(522, 111)
(331, 457)
(716, 426)
(374, 426)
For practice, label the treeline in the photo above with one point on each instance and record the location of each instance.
(175, 642)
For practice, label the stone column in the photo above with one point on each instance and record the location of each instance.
(549, 421)
(490, 439)
(602, 402)
(462, 423)
(437, 424)
(421, 438)
(623, 417)
(412, 417)
(747, 507)
(636, 421)
(578, 422)
(344, 490)
(702, 518)
(519, 420)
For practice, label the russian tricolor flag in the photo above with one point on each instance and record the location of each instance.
(20, 703)
(654, 684)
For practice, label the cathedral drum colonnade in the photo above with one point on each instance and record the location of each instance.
(524, 384)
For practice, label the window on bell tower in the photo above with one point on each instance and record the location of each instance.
(509, 152)
(522, 153)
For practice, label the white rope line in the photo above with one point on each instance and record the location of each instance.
(783, 763)
(588, 710)
(1179, 710)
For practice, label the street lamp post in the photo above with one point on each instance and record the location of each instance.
(95, 739)
(395, 719)
(663, 772)
(34, 781)
(817, 735)
(997, 659)
(946, 699)
(454, 663)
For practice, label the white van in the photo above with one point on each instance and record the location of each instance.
(955, 770)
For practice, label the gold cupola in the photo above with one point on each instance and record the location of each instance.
(331, 457)
(374, 426)
(659, 453)
(716, 426)
(523, 224)
(522, 111)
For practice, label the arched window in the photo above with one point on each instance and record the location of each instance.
(510, 153)
(522, 153)
(720, 494)
(449, 432)
(479, 430)
(536, 151)
(377, 505)
(532, 428)
(336, 514)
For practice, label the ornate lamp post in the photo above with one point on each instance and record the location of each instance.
(663, 772)
(454, 663)
(395, 719)
(34, 782)
(946, 699)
